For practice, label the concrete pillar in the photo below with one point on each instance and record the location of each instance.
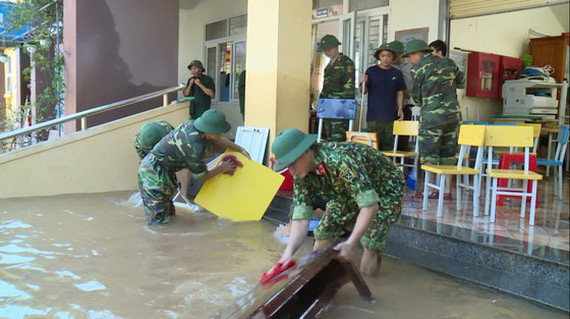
(278, 64)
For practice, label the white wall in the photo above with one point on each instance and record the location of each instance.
(194, 15)
(504, 34)
(412, 14)
(507, 33)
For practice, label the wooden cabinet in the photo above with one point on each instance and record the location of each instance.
(551, 51)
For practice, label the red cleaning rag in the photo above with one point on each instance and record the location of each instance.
(234, 161)
(278, 269)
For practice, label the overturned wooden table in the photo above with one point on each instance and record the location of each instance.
(302, 292)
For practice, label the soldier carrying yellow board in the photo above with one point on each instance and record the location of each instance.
(182, 148)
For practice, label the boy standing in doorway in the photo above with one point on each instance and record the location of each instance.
(385, 87)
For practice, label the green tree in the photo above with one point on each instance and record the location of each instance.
(43, 41)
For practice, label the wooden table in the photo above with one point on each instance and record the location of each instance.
(303, 292)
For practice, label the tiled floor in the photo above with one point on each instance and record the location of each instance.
(548, 238)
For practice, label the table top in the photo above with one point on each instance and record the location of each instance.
(549, 129)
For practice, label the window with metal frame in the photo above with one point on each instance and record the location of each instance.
(359, 5)
(225, 55)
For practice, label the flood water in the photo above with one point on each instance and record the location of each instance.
(92, 256)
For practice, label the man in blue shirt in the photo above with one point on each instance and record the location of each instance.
(385, 87)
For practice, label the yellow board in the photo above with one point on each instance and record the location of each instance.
(245, 196)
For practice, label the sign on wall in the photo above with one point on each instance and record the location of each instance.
(408, 35)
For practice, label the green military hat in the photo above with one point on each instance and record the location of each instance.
(397, 46)
(385, 47)
(198, 64)
(416, 46)
(151, 133)
(212, 121)
(329, 41)
(289, 145)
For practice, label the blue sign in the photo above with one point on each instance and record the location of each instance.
(322, 12)
(12, 35)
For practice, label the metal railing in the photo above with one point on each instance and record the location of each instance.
(84, 114)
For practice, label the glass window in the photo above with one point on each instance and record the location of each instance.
(217, 30)
(346, 33)
(385, 29)
(238, 25)
(359, 53)
(373, 40)
(211, 63)
(359, 5)
(326, 8)
(239, 58)
(226, 59)
(225, 71)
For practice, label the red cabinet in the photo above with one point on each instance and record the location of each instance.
(483, 75)
(510, 69)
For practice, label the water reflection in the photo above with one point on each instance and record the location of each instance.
(94, 258)
(90, 257)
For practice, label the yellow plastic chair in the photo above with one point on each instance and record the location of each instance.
(369, 139)
(404, 128)
(536, 128)
(469, 136)
(510, 136)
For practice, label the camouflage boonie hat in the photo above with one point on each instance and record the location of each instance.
(212, 121)
(397, 46)
(198, 64)
(289, 145)
(416, 46)
(329, 41)
(151, 133)
(385, 47)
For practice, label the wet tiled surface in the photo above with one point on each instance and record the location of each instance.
(547, 239)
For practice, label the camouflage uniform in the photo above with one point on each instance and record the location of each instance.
(435, 82)
(202, 101)
(352, 176)
(141, 149)
(383, 132)
(182, 148)
(338, 84)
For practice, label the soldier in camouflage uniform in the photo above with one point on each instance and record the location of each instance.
(436, 80)
(150, 134)
(182, 148)
(338, 84)
(201, 87)
(363, 186)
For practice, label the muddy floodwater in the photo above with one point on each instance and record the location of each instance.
(92, 256)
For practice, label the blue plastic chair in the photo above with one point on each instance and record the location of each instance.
(338, 109)
(557, 161)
